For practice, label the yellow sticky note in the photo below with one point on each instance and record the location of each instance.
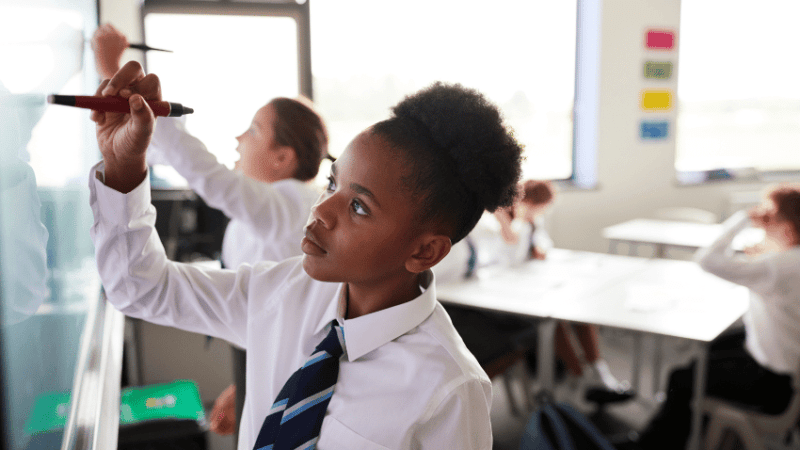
(653, 100)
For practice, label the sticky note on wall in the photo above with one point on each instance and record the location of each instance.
(656, 100)
(659, 70)
(660, 39)
(653, 130)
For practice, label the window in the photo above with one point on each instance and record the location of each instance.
(227, 61)
(368, 55)
(739, 100)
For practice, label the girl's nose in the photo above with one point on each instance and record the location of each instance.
(323, 210)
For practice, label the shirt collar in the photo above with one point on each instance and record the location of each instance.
(366, 333)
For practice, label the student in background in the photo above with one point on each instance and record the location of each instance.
(523, 230)
(752, 367)
(267, 196)
(402, 192)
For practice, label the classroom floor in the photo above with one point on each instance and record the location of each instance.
(617, 349)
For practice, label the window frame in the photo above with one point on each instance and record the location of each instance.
(585, 111)
(297, 11)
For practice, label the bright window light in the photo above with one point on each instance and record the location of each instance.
(739, 100)
(367, 55)
(225, 68)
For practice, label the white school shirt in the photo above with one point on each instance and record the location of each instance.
(772, 320)
(267, 219)
(407, 380)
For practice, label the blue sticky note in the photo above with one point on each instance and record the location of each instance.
(654, 130)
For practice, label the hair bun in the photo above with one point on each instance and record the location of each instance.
(468, 128)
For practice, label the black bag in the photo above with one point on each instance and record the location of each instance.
(559, 426)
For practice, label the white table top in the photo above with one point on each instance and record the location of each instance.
(664, 297)
(676, 233)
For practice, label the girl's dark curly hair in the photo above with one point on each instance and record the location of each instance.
(461, 158)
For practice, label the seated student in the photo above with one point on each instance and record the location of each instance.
(267, 197)
(751, 367)
(523, 230)
(402, 192)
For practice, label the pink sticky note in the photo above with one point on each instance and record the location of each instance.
(660, 39)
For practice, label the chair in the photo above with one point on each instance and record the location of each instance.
(756, 430)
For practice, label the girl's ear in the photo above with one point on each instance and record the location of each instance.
(431, 248)
(285, 160)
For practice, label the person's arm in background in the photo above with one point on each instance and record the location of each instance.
(262, 205)
(108, 45)
(721, 260)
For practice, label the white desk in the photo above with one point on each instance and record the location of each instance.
(663, 234)
(652, 296)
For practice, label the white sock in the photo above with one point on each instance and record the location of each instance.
(602, 372)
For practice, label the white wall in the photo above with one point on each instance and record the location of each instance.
(635, 177)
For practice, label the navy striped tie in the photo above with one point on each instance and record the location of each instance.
(296, 416)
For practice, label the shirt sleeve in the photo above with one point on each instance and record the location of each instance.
(720, 259)
(271, 210)
(141, 282)
(541, 238)
(460, 421)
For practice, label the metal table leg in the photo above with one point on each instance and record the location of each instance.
(546, 356)
(699, 395)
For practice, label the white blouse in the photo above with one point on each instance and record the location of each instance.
(772, 321)
(407, 380)
(267, 219)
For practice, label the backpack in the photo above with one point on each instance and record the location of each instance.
(559, 426)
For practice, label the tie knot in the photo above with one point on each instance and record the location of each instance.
(333, 342)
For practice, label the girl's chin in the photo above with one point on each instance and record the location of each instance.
(313, 270)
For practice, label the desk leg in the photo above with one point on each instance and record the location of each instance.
(636, 370)
(699, 395)
(546, 356)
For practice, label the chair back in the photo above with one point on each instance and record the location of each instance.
(766, 423)
(751, 426)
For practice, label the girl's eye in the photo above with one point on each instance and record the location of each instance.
(358, 208)
(331, 184)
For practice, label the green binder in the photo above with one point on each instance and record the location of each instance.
(179, 399)
(49, 413)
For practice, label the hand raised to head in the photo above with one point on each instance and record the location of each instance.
(123, 138)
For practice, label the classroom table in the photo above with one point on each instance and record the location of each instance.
(665, 234)
(649, 296)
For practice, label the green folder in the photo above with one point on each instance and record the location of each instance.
(50, 412)
(179, 399)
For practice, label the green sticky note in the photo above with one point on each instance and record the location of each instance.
(660, 70)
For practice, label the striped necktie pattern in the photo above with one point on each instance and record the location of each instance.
(295, 418)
